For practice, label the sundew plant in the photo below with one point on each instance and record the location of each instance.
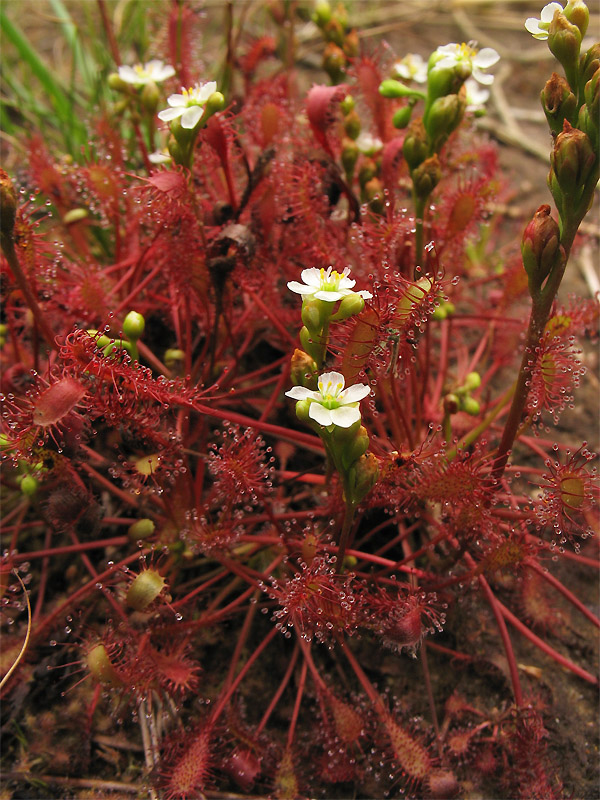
(285, 510)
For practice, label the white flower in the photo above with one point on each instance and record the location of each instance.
(332, 404)
(412, 68)
(326, 285)
(538, 28)
(189, 105)
(476, 96)
(151, 72)
(454, 54)
(368, 144)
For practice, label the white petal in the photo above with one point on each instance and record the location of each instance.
(163, 73)
(170, 113)
(191, 117)
(346, 283)
(364, 294)
(311, 276)
(330, 297)
(480, 76)
(485, 58)
(548, 11)
(129, 75)
(533, 25)
(177, 100)
(333, 378)
(448, 49)
(345, 416)
(353, 394)
(320, 414)
(402, 71)
(302, 393)
(300, 288)
(205, 91)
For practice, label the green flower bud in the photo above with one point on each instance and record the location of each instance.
(558, 101)
(472, 382)
(416, 146)
(313, 314)
(350, 45)
(350, 305)
(142, 529)
(150, 97)
(29, 485)
(394, 88)
(173, 358)
(302, 407)
(362, 476)
(451, 403)
(355, 448)
(309, 342)
(322, 13)
(117, 84)
(470, 406)
(578, 14)
(427, 176)
(216, 102)
(352, 125)
(402, 117)
(373, 193)
(133, 326)
(347, 104)
(590, 62)
(540, 246)
(350, 153)
(367, 172)
(75, 215)
(564, 41)
(334, 62)
(445, 115)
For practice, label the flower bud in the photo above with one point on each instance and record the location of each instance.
(444, 117)
(309, 344)
(451, 403)
(578, 14)
(402, 117)
(150, 97)
(303, 370)
(572, 160)
(590, 62)
(302, 407)
(117, 83)
(374, 195)
(394, 88)
(350, 305)
(322, 13)
(416, 147)
(8, 206)
(426, 176)
(173, 358)
(133, 326)
(564, 41)
(350, 45)
(101, 667)
(29, 485)
(142, 529)
(350, 153)
(558, 101)
(352, 125)
(470, 406)
(347, 104)
(355, 448)
(334, 62)
(539, 246)
(472, 382)
(312, 314)
(364, 476)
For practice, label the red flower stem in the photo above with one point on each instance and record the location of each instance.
(117, 541)
(126, 303)
(430, 700)
(275, 394)
(588, 562)
(280, 690)
(545, 647)
(556, 584)
(42, 583)
(108, 30)
(224, 699)
(363, 680)
(448, 652)
(8, 248)
(93, 572)
(199, 589)
(297, 704)
(441, 374)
